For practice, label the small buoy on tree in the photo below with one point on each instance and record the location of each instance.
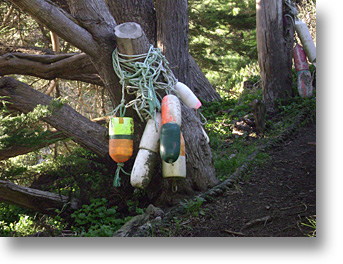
(306, 40)
(187, 96)
(304, 81)
(147, 154)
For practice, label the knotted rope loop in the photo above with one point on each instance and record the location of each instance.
(143, 75)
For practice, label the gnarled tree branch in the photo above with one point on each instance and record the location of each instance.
(74, 125)
(58, 21)
(71, 66)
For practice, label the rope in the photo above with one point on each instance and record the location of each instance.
(116, 180)
(143, 79)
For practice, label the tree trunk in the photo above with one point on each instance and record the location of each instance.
(83, 131)
(35, 200)
(172, 36)
(274, 46)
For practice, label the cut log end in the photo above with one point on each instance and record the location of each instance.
(129, 30)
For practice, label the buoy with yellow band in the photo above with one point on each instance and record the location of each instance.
(147, 154)
(176, 169)
(121, 138)
(187, 96)
(120, 142)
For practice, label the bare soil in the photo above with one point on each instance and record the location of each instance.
(277, 200)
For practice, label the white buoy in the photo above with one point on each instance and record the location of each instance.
(143, 168)
(187, 96)
(306, 40)
(147, 154)
(151, 136)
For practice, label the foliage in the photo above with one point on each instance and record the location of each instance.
(16, 221)
(24, 129)
(96, 220)
(312, 223)
(231, 151)
(222, 37)
(193, 206)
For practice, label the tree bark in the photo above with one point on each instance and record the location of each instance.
(199, 84)
(274, 46)
(172, 36)
(83, 131)
(35, 200)
(75, 67)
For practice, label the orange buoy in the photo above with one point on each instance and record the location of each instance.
(121, 138)
(171, 110)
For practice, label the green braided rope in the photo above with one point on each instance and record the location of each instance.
(143, 75)
(116, 180)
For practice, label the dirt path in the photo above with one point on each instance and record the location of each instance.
(277, 201)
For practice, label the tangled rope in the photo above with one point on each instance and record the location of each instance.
(142, 75)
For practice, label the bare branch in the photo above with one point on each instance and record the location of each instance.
(65, 119)
(75, 66)
(58, 21)
(33, 199)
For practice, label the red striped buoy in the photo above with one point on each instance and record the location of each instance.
(304, 81)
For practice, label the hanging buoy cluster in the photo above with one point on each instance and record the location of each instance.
(304, 80)
(162, 134)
